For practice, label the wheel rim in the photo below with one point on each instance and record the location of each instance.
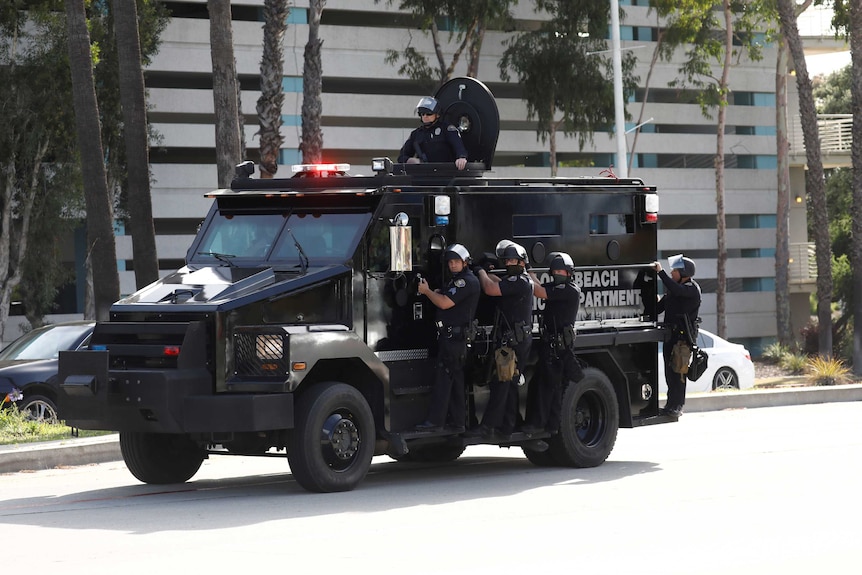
(590, 419)
(725, 379)
(40, 411)
(340, 440)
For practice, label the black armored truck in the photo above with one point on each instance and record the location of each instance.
(295, 326)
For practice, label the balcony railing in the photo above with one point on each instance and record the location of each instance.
(803, 263)
(836, 134)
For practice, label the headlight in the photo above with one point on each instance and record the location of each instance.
(267, 346)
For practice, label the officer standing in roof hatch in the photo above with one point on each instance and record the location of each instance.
(456, 306)
(513, 295)
(433, 141)
(680, 304)
(558, 364)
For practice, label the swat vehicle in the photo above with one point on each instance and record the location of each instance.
(295, 325)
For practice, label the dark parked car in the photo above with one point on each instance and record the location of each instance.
(28, 367)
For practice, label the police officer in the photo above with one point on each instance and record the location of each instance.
(557, 360)
(433, 141)
(680, 304)
(456, 306)
(514, 324)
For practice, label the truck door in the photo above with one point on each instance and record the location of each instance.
(399, 322)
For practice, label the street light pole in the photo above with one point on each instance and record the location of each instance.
(619, 104)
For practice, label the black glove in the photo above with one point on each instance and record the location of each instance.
(476, 268)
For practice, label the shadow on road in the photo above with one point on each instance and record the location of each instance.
(252, 499)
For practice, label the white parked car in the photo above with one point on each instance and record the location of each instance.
(729, 367)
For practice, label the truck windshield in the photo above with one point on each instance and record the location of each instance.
(325, 238)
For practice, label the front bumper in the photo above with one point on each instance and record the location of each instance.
(160, 400)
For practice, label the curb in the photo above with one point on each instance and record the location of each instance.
(89, 450)
(66, 452)
(719, 400)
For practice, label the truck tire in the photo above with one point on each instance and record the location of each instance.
(331, 447)
(540, 458)
(39, 408)
(590, 419)
(161, 458)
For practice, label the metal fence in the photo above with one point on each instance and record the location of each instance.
(803, 262)
(836, 133)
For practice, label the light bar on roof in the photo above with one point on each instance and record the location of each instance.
(297, 168)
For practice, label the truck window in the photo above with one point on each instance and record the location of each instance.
(612, 224)
(324, 237)
(537, 225)
(241, 235)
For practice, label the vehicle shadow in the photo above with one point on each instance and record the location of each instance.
(252, 499)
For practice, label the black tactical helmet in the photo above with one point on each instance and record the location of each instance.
(507, 249)
(456, 252)
(685, 265)
(562, 261)
(428, 105)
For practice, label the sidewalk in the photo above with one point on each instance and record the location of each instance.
(89, 450)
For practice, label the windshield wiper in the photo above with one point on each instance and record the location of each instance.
(224, 258)
(303, 259)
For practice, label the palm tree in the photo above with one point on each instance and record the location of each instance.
(100, 231)
(312, 86)
(815, 185)
(134, 105)
(225, 91)
(269, 104)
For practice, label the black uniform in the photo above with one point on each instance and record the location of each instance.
(435, 142)
(448, 392)
(513, 328)
(679, 301)
(557, 360)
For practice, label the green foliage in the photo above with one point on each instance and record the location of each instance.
(775, 352)
(697, 26)
(16, 427)
(564, 72)
(827, 371)
(38, 144)
(415, 66)
(832, 95)
(839, 202)
(464, 23)
(795, 363)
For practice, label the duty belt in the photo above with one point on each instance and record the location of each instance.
(521, 332)
(451, 331)
(564, 338)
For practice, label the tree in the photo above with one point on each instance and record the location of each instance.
(565, 79)
(32, 124)
(271, 93)
(467, 22)
(715, 35)
(832, 94)
(132, 95)
(312, 87)
(814, 176)
(850, 12)
(100, 231)
(225, 91)
(782, 210)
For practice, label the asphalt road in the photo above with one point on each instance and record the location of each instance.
(47, 455)
(735, 491)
